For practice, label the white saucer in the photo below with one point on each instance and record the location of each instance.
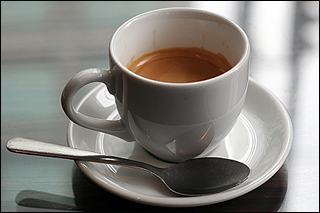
(261, 139)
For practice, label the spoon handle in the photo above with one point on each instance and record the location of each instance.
(33, 147)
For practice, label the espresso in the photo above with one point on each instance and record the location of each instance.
(180, 65)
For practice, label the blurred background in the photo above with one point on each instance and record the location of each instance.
(43, 44)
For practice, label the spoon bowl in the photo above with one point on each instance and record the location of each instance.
(201, 176)
(194, 177)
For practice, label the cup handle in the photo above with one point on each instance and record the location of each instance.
(82, 78)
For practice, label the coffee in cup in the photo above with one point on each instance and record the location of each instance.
(180, 65)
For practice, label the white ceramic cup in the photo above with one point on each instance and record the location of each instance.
(173, 121)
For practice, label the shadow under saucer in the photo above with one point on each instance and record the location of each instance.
(90, 197)
(267, 198)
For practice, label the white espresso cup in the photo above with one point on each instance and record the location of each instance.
(173, 121)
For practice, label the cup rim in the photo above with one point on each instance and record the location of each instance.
(224, 19)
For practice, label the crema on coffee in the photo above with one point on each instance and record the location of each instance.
(180, 65)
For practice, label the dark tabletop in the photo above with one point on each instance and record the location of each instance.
(43, 44)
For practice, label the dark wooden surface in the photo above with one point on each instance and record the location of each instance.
(43, 44)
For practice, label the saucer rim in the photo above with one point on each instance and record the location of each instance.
(108, 185)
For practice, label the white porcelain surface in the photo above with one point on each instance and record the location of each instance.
(261, 138)
(174, 121)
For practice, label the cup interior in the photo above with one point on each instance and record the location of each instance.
(178, 27)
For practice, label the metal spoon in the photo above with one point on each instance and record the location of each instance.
(199, 176)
